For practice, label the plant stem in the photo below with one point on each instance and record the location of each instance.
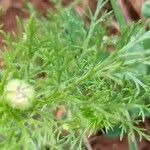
(118, 14)
(132, 144)
(87, 144)
(79, 80)
(93, 23)
(131, 141)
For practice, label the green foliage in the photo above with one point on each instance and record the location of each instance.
(118, 14)
(70, 65)
(146, 9)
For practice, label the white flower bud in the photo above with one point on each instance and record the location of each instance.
(19, 94)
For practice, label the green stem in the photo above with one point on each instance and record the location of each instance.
(90, 72)
(132, 143)
(118, 14)
(87, 144)
(93, 23)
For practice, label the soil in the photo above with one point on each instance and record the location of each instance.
(101, 142)
(13, 8)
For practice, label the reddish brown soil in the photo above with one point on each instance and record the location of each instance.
(13, 8)
(101, 142)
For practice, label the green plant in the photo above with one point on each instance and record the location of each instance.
(146, 9)
(68, 64)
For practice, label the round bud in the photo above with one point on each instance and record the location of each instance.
(19, 94)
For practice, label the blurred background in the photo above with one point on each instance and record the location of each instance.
(131, 10)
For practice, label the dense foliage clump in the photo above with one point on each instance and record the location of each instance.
(69, 64)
